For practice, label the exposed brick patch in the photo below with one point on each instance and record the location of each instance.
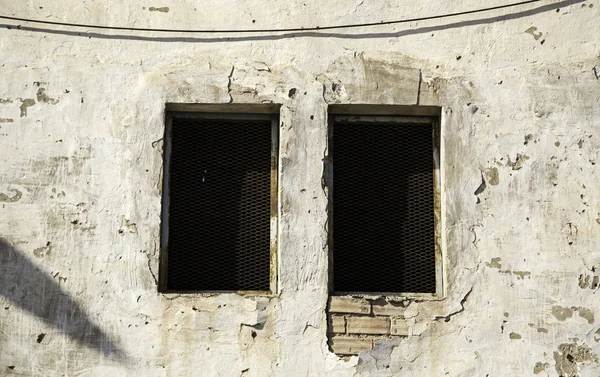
(355, 324)
(392, 309)
(345, 345)
(368, 325)
(339, 304)
(336, 324)
(399, 327)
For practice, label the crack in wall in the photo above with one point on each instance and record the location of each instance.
(229, 84)
(480, 189)
(419, 88)
(447, 318)
(150, 266)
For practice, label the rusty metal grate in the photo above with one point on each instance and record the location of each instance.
(219, 202)
(383, 230)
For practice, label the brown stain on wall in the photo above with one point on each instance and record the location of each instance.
(161, 9)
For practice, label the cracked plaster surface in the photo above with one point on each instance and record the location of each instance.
(517, 114)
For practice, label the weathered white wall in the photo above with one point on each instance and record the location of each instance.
(82, 116)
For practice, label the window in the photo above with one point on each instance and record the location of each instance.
(219, 222)
(384, 191)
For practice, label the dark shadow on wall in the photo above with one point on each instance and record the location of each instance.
(28, 288)
(312, 34)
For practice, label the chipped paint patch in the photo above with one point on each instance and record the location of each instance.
(570, 356)
(6, 120)
(44, 251)
(25, 103)
(520, 274)
(519, 161)
(42, 97)
(563, 314)
(571, 233)
(161, 9)
(492, 175)
(586, 314)
(494, 263)
(540, 367)
(11, 199)
(82, 227)
(129, 226)
(532, 31)
(584, 281)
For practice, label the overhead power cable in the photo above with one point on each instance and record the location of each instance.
(263, 31)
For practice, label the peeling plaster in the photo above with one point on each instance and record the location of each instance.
(515, 124)
(570, 357)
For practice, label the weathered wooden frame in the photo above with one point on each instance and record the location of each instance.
(428, 115)
(212, 111)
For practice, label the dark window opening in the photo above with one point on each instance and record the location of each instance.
(382, 201)
(219, 198)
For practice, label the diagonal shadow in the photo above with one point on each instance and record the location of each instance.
(313, 34)
(32, 290)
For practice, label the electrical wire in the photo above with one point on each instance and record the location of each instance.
(264, 31)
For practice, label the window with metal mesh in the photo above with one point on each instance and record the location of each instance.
(382, 205)
(219, 185)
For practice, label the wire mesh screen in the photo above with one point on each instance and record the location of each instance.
(219, 211)
(383, 207)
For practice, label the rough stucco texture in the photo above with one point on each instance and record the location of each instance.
(81, 122)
